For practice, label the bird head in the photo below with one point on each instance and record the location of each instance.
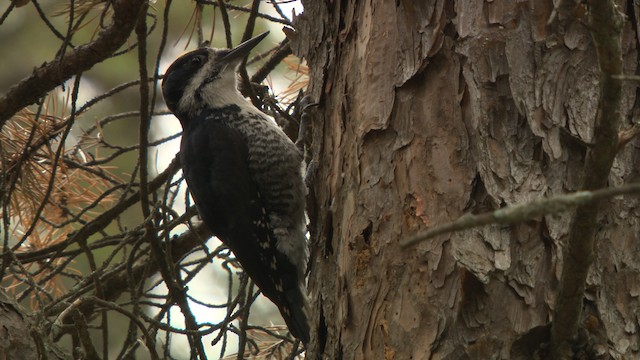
(205, 78)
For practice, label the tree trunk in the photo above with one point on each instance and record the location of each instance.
(433, 109)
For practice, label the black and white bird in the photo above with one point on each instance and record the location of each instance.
(244, 174)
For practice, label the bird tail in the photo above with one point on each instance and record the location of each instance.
(295, 312)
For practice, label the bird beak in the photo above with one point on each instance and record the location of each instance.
(241, 51)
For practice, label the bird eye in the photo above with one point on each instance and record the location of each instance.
(197, 61)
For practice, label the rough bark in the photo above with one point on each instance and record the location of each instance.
(20, 338)
(432, 109)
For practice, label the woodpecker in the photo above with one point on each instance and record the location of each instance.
(244, 174)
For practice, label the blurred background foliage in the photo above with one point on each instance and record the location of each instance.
(52, 193)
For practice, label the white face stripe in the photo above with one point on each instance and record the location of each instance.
(218, 93)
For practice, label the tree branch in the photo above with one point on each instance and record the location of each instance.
(115, 284)
(283, 50)
(524, 212)
(50, 75)
(100, 222)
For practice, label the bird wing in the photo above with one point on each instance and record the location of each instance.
(215, 165)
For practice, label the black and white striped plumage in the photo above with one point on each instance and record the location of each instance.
(244, 174)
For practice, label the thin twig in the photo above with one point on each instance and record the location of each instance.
(102, 220)
(48, 23)
(244, 321)
(220, 4)
(524, 212)
(6, 13)
(50, 75)
(276, 58)
(54, 169)
(225, 20)
(245, 86)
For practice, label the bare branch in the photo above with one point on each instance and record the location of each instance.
(524, 212)
(50, 75)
